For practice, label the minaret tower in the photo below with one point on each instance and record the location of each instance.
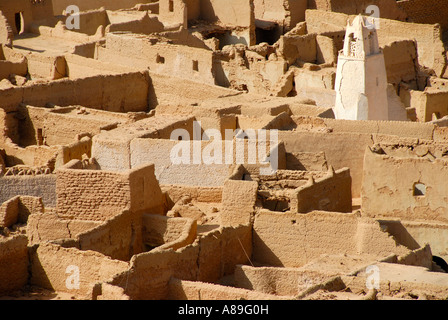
(361, 79)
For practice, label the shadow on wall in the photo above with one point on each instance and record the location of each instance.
(399, 233)
(38, 270)
(270, 259)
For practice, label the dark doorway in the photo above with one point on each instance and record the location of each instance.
(19, 22)
(269, 34)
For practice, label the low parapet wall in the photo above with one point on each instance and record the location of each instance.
(43, 186)
(191, 290)
(13, 263)
(56, 268)
(292, 240)
(409, 188)
(98, 195)
(427, 36)
(331, 193)
(168, 233)
(105, 92)
(208, 259)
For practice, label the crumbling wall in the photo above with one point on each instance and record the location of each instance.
(9, 212)
(225, 12)
(431, 52)
(43, 227)
(56, 128)
(45, 66)
(306, 161)
(30, 157)
(8, 68)
(219, 258)
(292, 240)
(112, 149)
(238, 203)
(84, 5)
(150, 272)
(345, 145)
(75, 150)
(168, 233)
(210, 258)
(119, 238)
(397, 278)
(56, 268)
(402, 129)
(428, 103)
(13, 263)
(341, 150)
(6, 33)
(29, 12)
(90, 21)
(286, 13)
(401, 62)
(388, 9)
(80, 67)
(175, 192)
(331, 193)
(159, 152)
(18, 209)
(171, 90)
(175, 60)
(395, 195)
(191, 290)
(145, 25)
(173, 13)
(415, 234)
(278, 281)
(233, 13)
(298, 47)
(106, 92)
(43, 186)
(60, 30)
(315, 78)
(429, 12)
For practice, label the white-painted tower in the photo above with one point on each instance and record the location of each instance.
(361, 79)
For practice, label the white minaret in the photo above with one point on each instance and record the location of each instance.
(361, 79)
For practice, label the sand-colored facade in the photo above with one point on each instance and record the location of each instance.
(115, 182)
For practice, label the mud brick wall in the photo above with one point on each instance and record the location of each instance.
(84, 5)
(98, 195)
(331, 193)
(388, 188)
(426, 11)
(49, 264)
(292, 240)
(91, 194)
(13, 263)
(388, 8)
(43, 186)
(215, 255)
(104, 92)
(119, 238)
